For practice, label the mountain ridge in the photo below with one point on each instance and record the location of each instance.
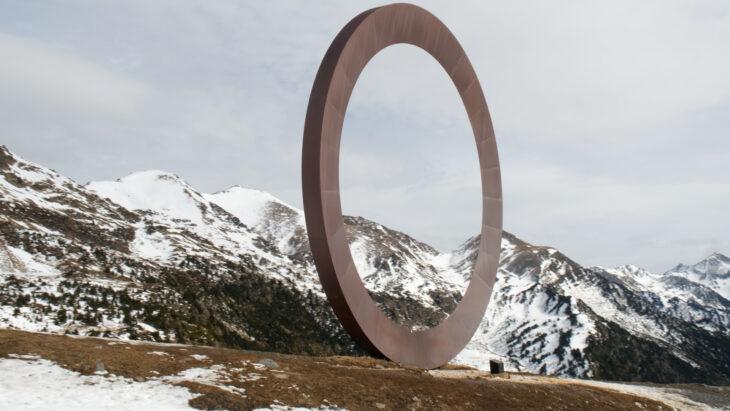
(233, 268)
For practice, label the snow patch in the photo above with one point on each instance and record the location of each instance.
(31, 384)
(247, 204)
(151, 190)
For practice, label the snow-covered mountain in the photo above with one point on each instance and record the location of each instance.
(149, 257)
(712, 272)
(412, 281)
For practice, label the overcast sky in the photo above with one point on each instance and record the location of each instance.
(612, 117)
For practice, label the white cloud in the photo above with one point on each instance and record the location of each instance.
(571, 69)
(37, 79)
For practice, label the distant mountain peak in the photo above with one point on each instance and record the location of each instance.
(714, 264)
(253, 207)
(632, 270)
(712, 272)
(718, 257)
(154, 190)
(153, 173)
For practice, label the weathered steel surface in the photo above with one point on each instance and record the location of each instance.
(354, 46)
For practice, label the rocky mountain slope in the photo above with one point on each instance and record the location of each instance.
(148, 257)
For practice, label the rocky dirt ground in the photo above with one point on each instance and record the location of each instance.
(219, 378)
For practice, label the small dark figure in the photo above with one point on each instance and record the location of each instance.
(496, 367)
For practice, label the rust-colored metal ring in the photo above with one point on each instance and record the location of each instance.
(354, 46)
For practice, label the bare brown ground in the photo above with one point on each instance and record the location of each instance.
(354, 383)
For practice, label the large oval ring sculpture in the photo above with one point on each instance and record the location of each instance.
(354, 46)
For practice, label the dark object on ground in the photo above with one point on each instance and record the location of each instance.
(496, 367)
